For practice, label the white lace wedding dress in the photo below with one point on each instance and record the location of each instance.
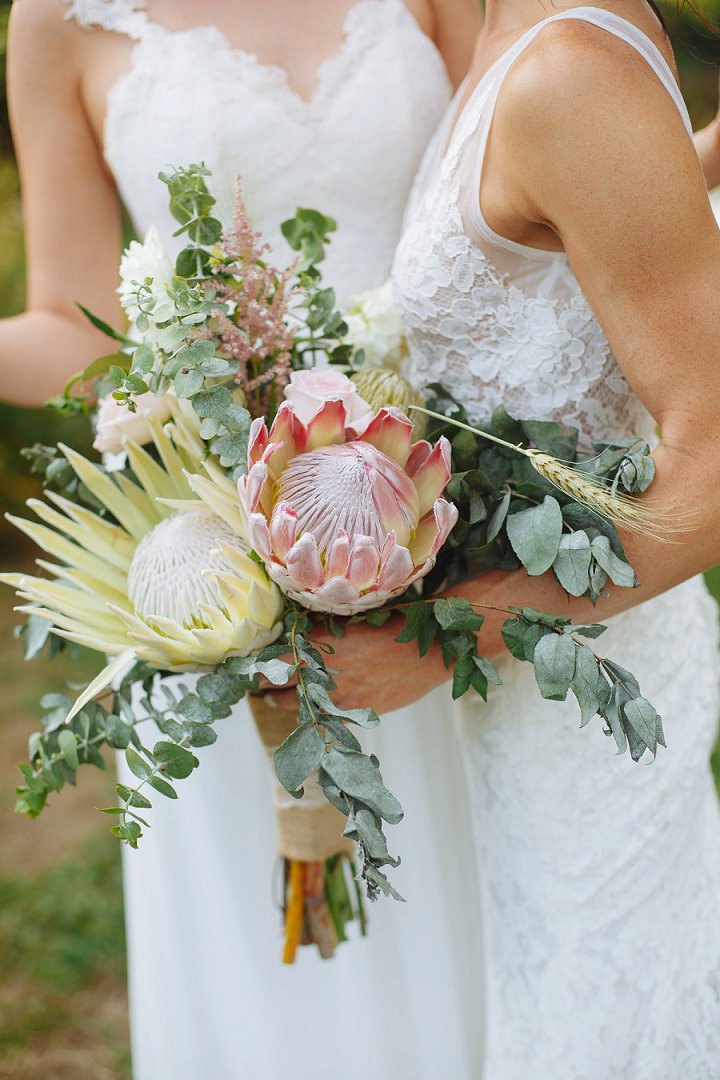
(600, 878)
(209, 996)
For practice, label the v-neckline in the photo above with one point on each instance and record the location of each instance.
(278, 72)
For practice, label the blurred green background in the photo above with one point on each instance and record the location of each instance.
(63, 1010)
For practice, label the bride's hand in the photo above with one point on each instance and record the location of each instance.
(374, 670)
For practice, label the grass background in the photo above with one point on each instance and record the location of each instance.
(63, 1011)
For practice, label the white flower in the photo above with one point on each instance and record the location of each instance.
(140, 262)
(115, 423)
(375, 326)
(309, 390)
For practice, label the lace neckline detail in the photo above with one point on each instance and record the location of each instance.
(130, 17)
(121, 16)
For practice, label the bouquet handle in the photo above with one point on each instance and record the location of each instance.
(318, 901)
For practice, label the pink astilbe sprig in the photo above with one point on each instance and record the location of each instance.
(255, 330)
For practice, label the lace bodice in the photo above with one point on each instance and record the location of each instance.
(351, 151)
(497, 322)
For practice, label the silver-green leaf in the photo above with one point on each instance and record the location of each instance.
(357, 776)
(572, 562)
(535, 535)
(299, 756)
(642, 717)
(620, 572)
(589, 686)
(554, 662)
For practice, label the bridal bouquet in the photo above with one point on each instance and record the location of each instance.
(268, 469)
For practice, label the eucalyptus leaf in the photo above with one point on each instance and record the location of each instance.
(68, 748)
(366, 718)
(195, 709)
(615, 722)
(554, 662)
(211, 404)
(188, 382)
(488, 669)
(176, 760)
(642, 717)
(589, 685)
(620, 572)
(298, 757)
(137, 765)
(163, 787)
(521, 638)
(498, 516)
(572, 563)
(356, 775)
(627, 681)
(457, 613)
(277, 672)
(535, 535)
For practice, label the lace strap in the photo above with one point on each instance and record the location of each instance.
(120, 16)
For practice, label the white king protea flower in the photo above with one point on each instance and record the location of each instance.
(170, 584)
(342, 523)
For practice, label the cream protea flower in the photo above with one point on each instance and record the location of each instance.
(171, 583)
(342, 523)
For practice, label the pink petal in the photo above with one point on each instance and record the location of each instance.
(327, 427)
(303, 562)
(256, 490)
(396, 569)
(337, 559)
(260, 535)
(283, 530)
(419, 453)
(364, 562)
(276, 457)
(334, 592)
(257, 441)
(433, 531)
(432, 475)
(397, 511)
(390, 431)
(389, 544)
(287, 427)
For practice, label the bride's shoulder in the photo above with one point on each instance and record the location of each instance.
(118, 15)
(574, 74)
(44, 27)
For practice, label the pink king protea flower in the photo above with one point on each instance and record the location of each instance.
(343, 523)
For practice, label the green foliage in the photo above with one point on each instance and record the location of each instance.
(511, 516)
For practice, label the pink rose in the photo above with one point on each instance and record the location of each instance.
(115, 423)
(309, 390)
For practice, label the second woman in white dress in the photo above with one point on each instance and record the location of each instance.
(328, 105)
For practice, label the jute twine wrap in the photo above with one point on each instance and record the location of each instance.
(309, 829)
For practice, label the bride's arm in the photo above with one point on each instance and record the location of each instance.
(72, 226)
(629, 203)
